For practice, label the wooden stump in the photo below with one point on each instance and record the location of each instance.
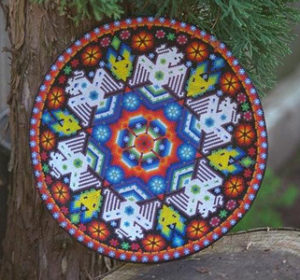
(257, 254)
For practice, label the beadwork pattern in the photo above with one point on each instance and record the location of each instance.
(148, 140)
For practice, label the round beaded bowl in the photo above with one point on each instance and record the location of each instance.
(148, 140)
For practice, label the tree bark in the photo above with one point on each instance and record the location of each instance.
(34, 246)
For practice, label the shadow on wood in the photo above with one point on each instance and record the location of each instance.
(257, 254)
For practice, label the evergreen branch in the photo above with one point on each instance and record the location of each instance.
(258, 32)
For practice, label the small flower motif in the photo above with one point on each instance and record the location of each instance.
(75, 63)
(66, 180)
(56, 98)
(101, 133)
(247, 116)
(105, 42)
(91, 55)
(131, 102)
(214, 221)
(231, 204)
(48, 140)
(181, 39)
(82, 227)
(62, 79)
(196, 229)
(44, 155)
(247, 173)
(114, 242)
(46, 117)
(142, 41)
(173, 111)
(245, 106)
(241, 97)
(135, 246)
(186, 152)
(157, 184)
(188, 63)
(99, 231)
(197, 51)
(234, 186)
(125, 34)
(64, 210)
(230, 83)
(67, 70)
(60, 192)
(46, 168)
(101, 63)
(48, 180)
(252, 151)
(125, 245)
(114, 174)
(153, 243)
(223, 214)
(171, 36)
(160, 34)
(244, 134)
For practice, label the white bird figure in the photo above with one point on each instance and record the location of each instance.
(196, 197)
(71, 159)
(134, 218)
(212, 114)
(165, 72)
(86, 95)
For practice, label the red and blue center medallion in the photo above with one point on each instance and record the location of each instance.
(148, 140)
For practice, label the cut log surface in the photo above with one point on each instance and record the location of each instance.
(257, 254)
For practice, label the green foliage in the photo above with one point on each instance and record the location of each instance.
(79, 10)
(265, 211)
(258, 32)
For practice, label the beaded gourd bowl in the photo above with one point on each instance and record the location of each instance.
(148, 140)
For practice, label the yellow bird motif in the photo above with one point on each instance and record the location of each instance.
(120, 64)
(225, 159)
(66, 123)
(169, 220)
(200, 81)
(86, 206)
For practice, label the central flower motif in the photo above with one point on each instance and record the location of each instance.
(149, 143)
(145, 143)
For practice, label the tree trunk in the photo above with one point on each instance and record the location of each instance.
(34, 246)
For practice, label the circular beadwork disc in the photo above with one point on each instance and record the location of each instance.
(148, 140)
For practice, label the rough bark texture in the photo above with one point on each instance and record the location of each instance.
(4, 157)
(259, 254)
(34, 246)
